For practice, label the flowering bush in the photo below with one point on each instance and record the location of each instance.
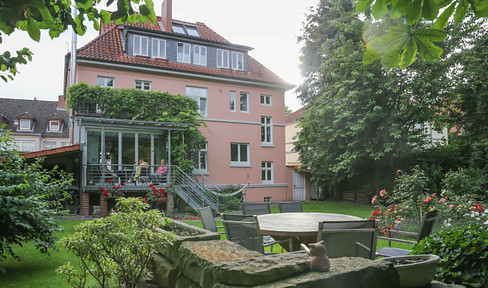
(155, 197)
(111, 191)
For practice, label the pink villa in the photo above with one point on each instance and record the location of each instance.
(240, 101)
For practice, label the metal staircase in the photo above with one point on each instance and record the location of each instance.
(196, 190)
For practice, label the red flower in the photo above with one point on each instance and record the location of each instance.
(108, 180)
(121, 194)
(104, 199)
(398, 171)
(160, 200)
(145, 198)
(113, 187)
(155, 193)
(105, 193)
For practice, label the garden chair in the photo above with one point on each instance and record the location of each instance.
(424, 230)
(287, 207)
(255, 208)
(349, 238)
(244, 230)
(208, 220)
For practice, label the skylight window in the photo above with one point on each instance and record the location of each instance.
(192, 31)
(178, 29)
(186, 30)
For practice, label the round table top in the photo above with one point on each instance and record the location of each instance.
(297, 223)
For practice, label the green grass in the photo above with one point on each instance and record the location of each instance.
(38, 270)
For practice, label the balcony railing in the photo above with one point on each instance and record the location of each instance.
(95, 175)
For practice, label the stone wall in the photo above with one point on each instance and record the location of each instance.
(222, 264)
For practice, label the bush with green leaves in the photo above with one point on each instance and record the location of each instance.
(115, 250)
(468, 184)
(29, 200)
(463, 252)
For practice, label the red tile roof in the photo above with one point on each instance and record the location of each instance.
(296, 115)
(107, 47)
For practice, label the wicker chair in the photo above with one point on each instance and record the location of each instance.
(255, 208)
(349, 238)
(286, 207)
(244, 230)
(424, 231)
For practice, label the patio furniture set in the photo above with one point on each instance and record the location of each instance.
(293, 229)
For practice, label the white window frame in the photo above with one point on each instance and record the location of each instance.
(236, 59)
(156, 48)
(25, 121)
(142, 84)
(265, 97)
(239, 162)
(200, 55)
(52, 126)
(139, 50)
(203, 152)
(246, 103)
(20, 146)
(53, 144)
(105, 81)
(266, 126)
(199, 97)
(233, 101)
(268, 167)
(222, 58)
(184, 54)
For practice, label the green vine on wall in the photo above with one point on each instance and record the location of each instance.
(147, 106)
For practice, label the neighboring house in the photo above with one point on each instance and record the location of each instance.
(35, 125)
(299, 185)
(240, 101)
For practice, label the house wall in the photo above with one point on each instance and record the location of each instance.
(223, 127)
(291, 131)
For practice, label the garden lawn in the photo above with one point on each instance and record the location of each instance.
(36, 269)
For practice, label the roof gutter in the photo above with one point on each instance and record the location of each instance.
(285, 86)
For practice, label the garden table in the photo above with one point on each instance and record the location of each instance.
(300, 227)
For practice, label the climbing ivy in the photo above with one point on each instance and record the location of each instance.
(147, 106)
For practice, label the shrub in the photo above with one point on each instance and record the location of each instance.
(468, 184)
(28, 205)
(463, 252)
(115, 250)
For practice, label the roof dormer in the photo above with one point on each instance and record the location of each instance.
(54, 123)
(25, 122)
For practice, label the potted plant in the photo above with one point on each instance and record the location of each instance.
(414, 270)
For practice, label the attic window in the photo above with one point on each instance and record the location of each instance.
(25, 124)
(54, 125)
(186, 30)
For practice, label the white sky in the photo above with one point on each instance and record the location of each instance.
(271, 27)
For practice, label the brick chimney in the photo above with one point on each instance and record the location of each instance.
(61, 102)
(167, 15)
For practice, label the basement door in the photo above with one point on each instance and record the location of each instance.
(299, 187)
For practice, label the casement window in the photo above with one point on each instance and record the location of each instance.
(200, 95)
(222, 58)
(200, 55)
(266, 131)
(105, 81)
(25, 146)
(239, 154)
(25, 124)
(178, 28)
(159, 48)
(140, 45)
(237, 60)
(49, 144)
(186, 30)
(203, 157)
(143, 85)
(267, 172)
(54, 125)
(183, 52)
(233, 99)
(266, 100)
(244, 102)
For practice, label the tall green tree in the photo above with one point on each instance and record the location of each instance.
(363, 121)
(33, 16)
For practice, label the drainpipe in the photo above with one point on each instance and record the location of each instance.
(169, 153)
(73, 70)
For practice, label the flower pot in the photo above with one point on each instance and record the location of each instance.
(415, 270)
